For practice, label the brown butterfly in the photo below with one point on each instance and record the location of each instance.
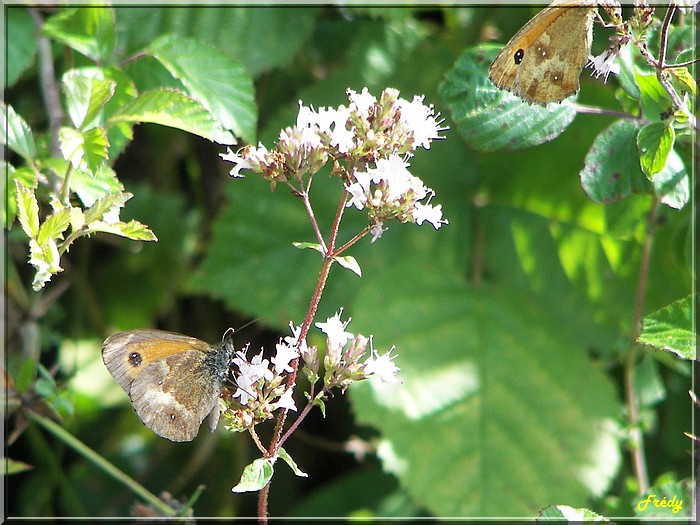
(173, 380)
(543, 61)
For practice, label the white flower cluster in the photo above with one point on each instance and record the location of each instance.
(261, 384)
(370, 142)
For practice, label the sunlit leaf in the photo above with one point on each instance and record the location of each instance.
(27, 210)
(654, 142)
(16, 133)
(214, 79)
(86, 93)
(671, 329)
(255, 476)
(173, 108)
(131, 230)
(88, 30)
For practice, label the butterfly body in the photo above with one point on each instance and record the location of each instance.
(543, 61)
(173, 380)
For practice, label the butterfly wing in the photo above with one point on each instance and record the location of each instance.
(543, 61)
(125, 354)
(173, 395)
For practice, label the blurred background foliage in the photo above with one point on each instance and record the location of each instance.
(509, 323)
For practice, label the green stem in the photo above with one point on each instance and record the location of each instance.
(636, 435)
(89, 454)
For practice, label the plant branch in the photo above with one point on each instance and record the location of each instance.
(89, 454)
(275, 443)
(636, 436)
(49, 86)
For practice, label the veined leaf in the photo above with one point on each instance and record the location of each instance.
(611, 171)
(255, 475)
(86, 94)
(654, 142)
(27, 210)
(54, 225)
(490, 119)
(88, 30)
(214, 79)
(170, 107)
(131, 230)
(16, 133)
(671, 329)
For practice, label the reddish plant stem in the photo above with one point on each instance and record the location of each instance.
(633, 417)
(277, 441)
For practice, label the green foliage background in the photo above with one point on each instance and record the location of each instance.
(509, 322)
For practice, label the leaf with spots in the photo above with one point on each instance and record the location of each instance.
(611, 169)
(489, 119)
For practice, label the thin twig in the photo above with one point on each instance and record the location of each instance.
(636, 437)
(49, 86)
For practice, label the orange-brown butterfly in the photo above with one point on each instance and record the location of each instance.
(543, 61)
(173, 380)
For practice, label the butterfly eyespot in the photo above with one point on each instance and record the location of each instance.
(135, 359)
(518, 56)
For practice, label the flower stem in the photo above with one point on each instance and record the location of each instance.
(89, 454)
(276, 441)
(636, 437)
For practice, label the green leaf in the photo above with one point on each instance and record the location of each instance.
(611, 169)
(490, 119)
(349, 263)
(255, 476)
(85, 150)
(133, 230)
(27, 210)
(649, 386)
(104, 204)
(654, 143)
(12, 466)
(26, 176)
(20, 31)
(263, 39)
(214, 79)
(92, 187)
(16, 133)
(566, 514)
(501, 382)
(54, 225)
(654, 99)
(88, 30)
(308, 245)
(292, 464)
(671, 329)
(671, 184)
(173, 108)
(87, 92)
(683, 76)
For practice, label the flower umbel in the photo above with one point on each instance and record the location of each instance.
(369, 143)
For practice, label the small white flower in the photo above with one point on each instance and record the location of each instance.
(420, 120)
(376, 230)
(427, 212)
(604, 64)
(382, 366)
(362, 101)
(334, 329)
(240, 162)
(342, 138)
(286, 401)
(245, 389)
(285, 355)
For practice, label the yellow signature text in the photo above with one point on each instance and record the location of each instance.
(674, 503)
